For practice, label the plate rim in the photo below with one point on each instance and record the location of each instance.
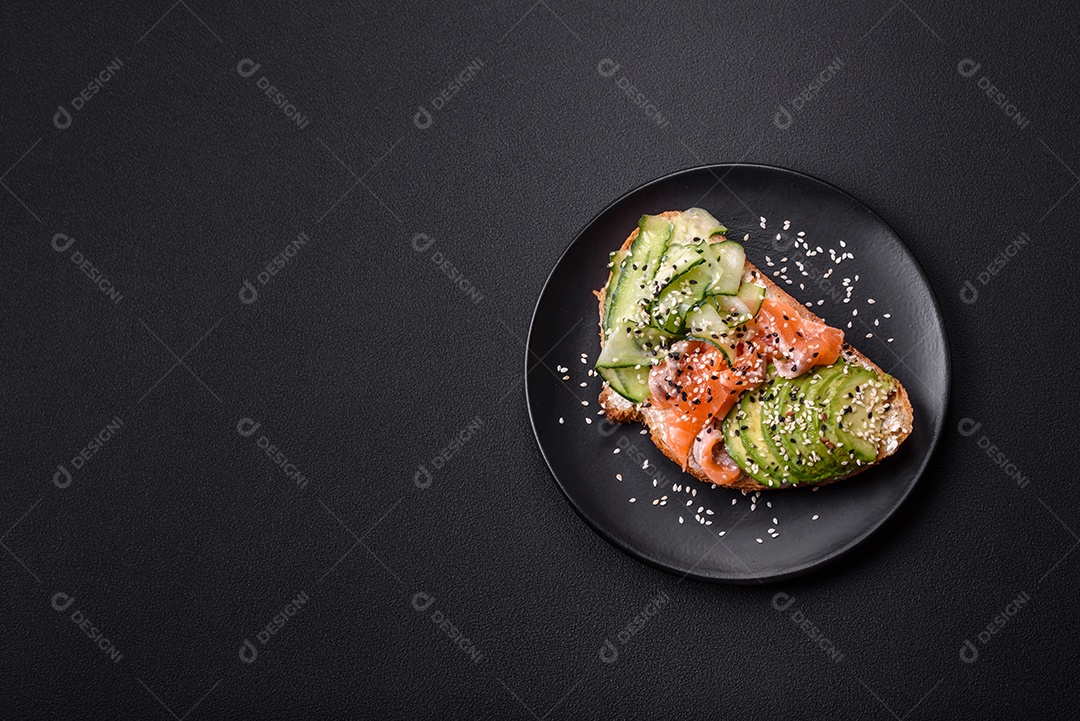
(833, 556)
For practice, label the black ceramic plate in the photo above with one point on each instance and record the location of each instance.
(893, 300)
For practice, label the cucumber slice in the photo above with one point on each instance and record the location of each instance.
(628, 345)
(752, 295)
(696, 223)
(617, 260)
(731, 310)
(742, 307)
(703, 322)
(630, 383)
(683, 292)
(639, 267)
(730, 259)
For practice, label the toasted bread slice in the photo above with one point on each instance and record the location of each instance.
(896, 425)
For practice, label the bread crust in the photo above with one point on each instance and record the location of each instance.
(620, 410)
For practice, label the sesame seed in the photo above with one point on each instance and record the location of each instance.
(814, 518)
(759, 540)
(566, 378)
(680, 519)
(561, 420)
(721, 533)
(869, 335)
(588, 421)
(617, 450)
(618, 476)
(633, 500)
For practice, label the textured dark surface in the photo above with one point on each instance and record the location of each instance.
(361, 360)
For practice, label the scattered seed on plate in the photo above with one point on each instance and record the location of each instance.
(680, 519)
(561, 420)
(656, 502)
(869, 335)
(722, 533)
(889, 340)
(617, 450)
(584, 385)
(759, 540)
(633, 500)
(734, 501)
(618, 476)
(887, 315)
(776, 521)
(589, 421)
(772, 530)
(814, 518)
(584, 403)
(566, 378)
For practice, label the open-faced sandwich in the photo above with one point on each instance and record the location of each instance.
(737, 382)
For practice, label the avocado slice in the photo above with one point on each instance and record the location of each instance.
(783, 419)
(740, 429)
(852, 402)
